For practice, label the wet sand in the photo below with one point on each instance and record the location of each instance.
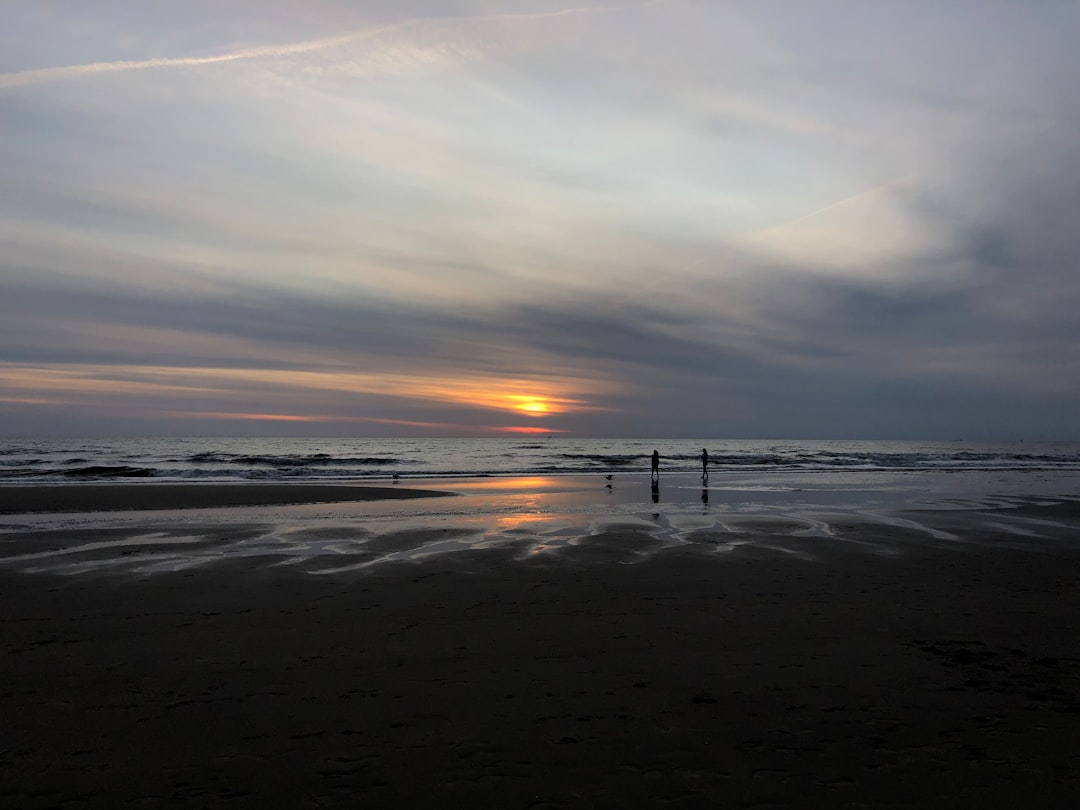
(121, 497)
(933, 662)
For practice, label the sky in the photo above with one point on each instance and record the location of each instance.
(661, 218)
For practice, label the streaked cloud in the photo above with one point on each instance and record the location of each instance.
(541, 396)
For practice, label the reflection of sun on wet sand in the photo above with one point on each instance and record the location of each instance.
(451, 656)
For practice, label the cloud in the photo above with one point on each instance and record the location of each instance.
(385, 60)
(648, 218)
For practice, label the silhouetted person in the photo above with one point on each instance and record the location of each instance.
(655, 465)
(704, 463)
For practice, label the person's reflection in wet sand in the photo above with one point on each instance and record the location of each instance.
(655, 491)
(704, 494)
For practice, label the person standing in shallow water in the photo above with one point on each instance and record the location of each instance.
(655, 464)
(704, 463)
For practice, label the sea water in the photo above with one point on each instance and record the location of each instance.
(538, 496)
(246, 459)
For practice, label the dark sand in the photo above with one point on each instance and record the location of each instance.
(116, 497)
(872, 669)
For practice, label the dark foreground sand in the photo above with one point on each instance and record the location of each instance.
(872, 669)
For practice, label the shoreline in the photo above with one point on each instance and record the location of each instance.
(887, 490)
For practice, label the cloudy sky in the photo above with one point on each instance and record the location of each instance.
(700, 218)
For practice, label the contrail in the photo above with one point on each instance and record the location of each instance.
(40, 75)
(873, 191)
(22, 78)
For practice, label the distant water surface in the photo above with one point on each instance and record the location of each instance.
(218, 459)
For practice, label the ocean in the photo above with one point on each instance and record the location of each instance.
(55, 461)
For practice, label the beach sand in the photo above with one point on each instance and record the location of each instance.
(931, 662)
(119, 497)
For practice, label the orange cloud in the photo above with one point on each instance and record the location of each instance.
(290, 417)
(541, 396)
(30, 400)
(527, 429)
(76, 380)
(255, 417)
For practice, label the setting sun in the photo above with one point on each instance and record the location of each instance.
(533, 406)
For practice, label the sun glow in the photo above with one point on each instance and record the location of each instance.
(301, 395)
(528, 429)
(533, 406)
